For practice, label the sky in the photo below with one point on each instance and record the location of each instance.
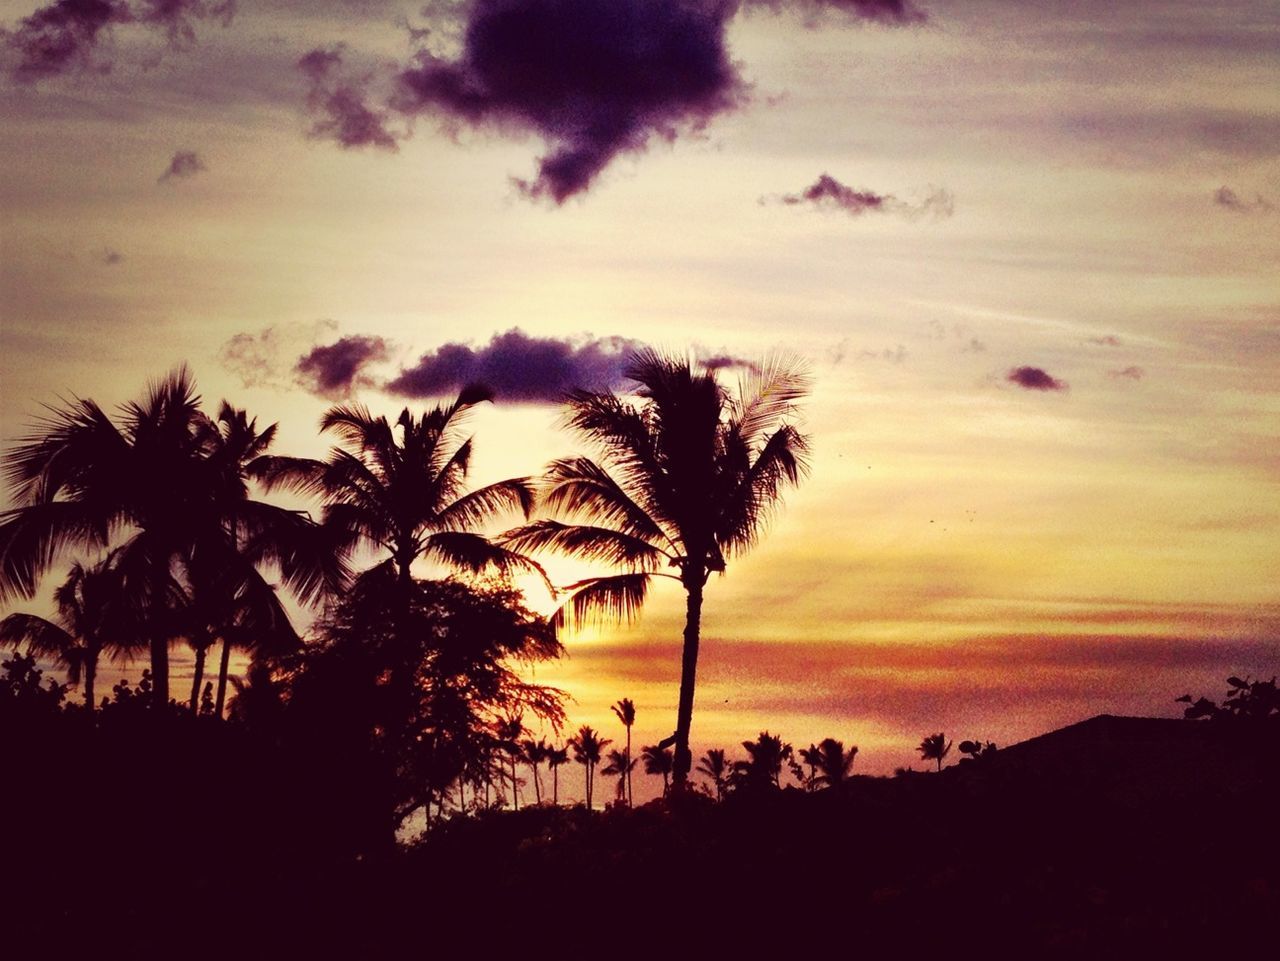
(1028, 249)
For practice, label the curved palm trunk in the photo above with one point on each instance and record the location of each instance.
(688, 675)
(555, 785)
(224, 665)
(537, 786)
(629, 798)
(196, 677)
(590, 782)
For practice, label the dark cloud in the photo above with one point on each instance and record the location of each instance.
(829, 193)
(256, 358)
(1228, 198)
(184, 164)
(520, 368)
(64, 35)
(884, 11)
(1129, 373)
(341, 103)
(335, 370)
(728, 362)
(1033, 378)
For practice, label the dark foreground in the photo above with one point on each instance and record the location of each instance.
(1107, 840)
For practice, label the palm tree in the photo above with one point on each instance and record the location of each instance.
(625, 711)
(81, 479)
(508, 733)
(587, 746)
(766, 755)
(659, 760)
(535, 752)
(834, 764)
(688, 477)
(91, 618)
(809, 756)
(716, 766)
(556, 756)
(620, 766)
(934, 748)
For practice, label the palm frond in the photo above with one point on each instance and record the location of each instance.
(747, 507)
(578, 486)
(767, 393)
(618, 597)
(41, 636)
(479, 506)
(587, 543)
(474, 552)
(32, 537)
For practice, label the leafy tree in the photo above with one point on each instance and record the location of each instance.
(716, 766)
(977, 750)
(587, 746)
(765, 757)
(833, 763)
(934, 747)
(659, 760)
(619, 765)
(687, 478)
(1245, 700)
(625, 711)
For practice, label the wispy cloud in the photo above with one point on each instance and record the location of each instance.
(828, 193)
(182, 166)
(1227, 198)
(340, 103)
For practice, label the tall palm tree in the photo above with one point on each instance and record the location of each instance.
(834, 764)
(556, 756)
(687, 477)
(716, 766)
(508, 733)
(620, 766)
(535, 752)
(92, 618)
(625, 711)
(934, 747)
(587, 746)
(81, 480)
(659, 760)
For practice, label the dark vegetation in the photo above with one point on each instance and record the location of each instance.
(258, 816)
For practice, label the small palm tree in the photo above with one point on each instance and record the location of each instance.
(659, 760)
(766, 756)
(619, 766)
(934, 747)
(809, 758)
(535, 753)
(625, 711)
(556, 756)
(687, 479)
(716, 766)
(508, 733)
(587, 746)
(834, 764)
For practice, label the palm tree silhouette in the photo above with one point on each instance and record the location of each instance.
(620, 766)
(625, 711)
(766, 755)
(934, 747)
(92, 618)
(687, 478)
(587, 746)
(716, 766)
(809, 756)
(556, 756)
(508, 733)
(535, 752)
(81, 478)
(659, 760)
(834, 764)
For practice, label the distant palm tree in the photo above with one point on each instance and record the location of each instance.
(659, 760)
(509, 731)
(809, 757)
(934, 747)
(535, 752)
(766, 756)
(556, 756)
(619, 766)
(625, 711)
(716, 766)
(587, 746)
(688, 478)
(834, 763)
(92, 618)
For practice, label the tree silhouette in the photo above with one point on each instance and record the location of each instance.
(977, 750)
(556, 757)
(619, 766)
(659, 760)
(716, 766)
(587, 746)
(809, 757)
(765, 757)
(92, 618)
(535, 753)
(625, 711)
(934, 747)
(687, 478)
(509, 730)
(833, 763)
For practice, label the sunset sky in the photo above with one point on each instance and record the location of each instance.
(1031, 251)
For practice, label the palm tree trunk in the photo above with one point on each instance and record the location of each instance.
(196, 677)
(688, 675)
(159, 671)
(537, 786)
(90, 669)
(515, 790)
(629, 799)
(555, 785)
(224, 665)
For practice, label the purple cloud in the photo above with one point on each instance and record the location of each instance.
(884, 11)
(175, 17)
(341, 103)
(184, 164)
(1228, 198)
(829, 193)
(336, 370)
(1033, 378)
(520, 368)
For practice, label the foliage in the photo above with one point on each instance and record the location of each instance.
(1246, 700)
(934, 747)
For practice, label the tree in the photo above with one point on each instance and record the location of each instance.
(1246, 700)
(535, 753)
(934, 747)
(556, 756)
(977, 750)
(92, 618)
(765, 758)
(619, 766)
(508, 730)
(659, 760)
(687, 478)
(625, 711)
(81, 480)
(587, 746)
(716, 766)
(809, 757)
(833, 763)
